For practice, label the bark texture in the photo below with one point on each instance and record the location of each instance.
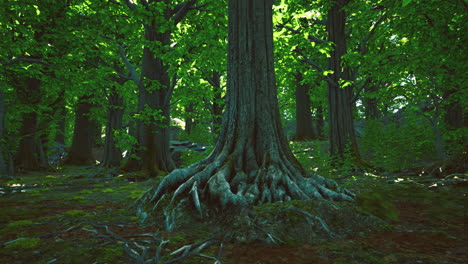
(29, 94)
(112, 154)
(81, 149)
(340, 99)
(6, 163)
(304, 128)
(251, 163)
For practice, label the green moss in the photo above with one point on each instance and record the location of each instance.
(108, 190)
(23, 243)
(110, 254)
(76, 213)
(135, 194)
(126, 187)
(19, 224)
(272, 209)
(374, 203)
(85, 192)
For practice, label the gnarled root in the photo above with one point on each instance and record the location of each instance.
(219, 181)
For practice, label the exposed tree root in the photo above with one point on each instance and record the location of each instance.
(223, 183)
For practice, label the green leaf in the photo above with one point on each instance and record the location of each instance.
(406, 2)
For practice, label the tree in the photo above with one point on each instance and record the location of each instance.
(159, 17)
(340, 92)
(6, 163)
(112, 154)
(251, 163)
(304, 128)
(81, 148)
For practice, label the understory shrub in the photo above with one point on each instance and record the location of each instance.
(394, 146)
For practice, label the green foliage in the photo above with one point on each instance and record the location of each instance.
(199, 134)
(393, 147)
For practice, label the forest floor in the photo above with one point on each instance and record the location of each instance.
(81, 215)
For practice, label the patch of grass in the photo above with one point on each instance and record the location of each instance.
(108, 190)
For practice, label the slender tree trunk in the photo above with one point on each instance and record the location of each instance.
(6, 163)
(370, 103)
(320, 122)
(112, 154)
(217, 106)
(60, 113)
(81, 149)
(342, 137)
(251, 163)
(189, 122)
(304, 128)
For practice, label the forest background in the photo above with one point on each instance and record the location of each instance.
(75, 74)
(370, 93)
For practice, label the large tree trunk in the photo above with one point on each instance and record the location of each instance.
(340, 105)
(112, 154)
(28, 93)
(251, 163)
(81, 149)
(154, 93)
(304, 128)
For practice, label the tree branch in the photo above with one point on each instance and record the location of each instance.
(132, 69)
(130, 4)
(181, 10)
(316, 66)
(360, 89)
(312, 38)
(115, 2)
(30, 60)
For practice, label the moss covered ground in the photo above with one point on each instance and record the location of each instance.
(83, 215)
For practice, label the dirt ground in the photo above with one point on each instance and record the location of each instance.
(81, 215)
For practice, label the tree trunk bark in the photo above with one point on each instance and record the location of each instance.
(28, 93)
(154, 92)
(112, 154)
(81, 149)
(251, 163)
(6, 164)
(370, 103)
(320, 122)
(304, 128)
(189, 122)
(340, 105)
(217, 106)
